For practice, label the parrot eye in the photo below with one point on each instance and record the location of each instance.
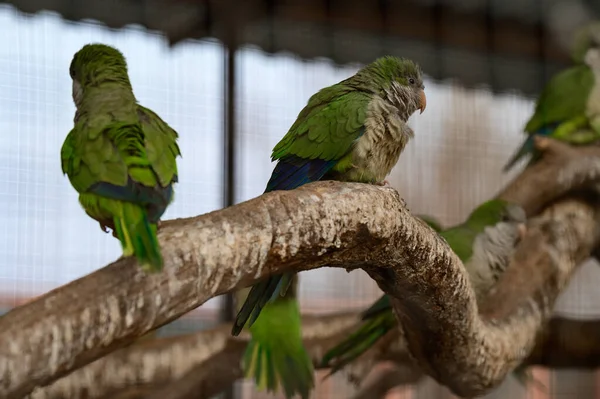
(411, 81)
(72, 72)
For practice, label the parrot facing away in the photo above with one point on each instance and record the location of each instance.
(353, 131)
(568, 109)
(484, 243)
(119, 156)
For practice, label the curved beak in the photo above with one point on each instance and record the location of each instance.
(422, 100)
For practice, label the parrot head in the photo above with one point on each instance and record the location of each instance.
(398, 80)
(95, 64)
(586, 45)
(495, 211)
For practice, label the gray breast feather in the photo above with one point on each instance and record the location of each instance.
(492, 251)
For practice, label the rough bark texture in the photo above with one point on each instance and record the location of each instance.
(158, 368)
(562, 169)
(328, 223)
(210, 358)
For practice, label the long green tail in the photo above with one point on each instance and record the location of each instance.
(358, 342)
(275, 357)
(260, 293)
(381, 306)
(138, 236)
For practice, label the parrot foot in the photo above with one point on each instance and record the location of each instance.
(105, 229)
(522, 230)
(384, 183)
(541, 142)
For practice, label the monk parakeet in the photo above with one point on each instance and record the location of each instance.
(484, 242)
(119, 156)
(568, 109)
(355, 131)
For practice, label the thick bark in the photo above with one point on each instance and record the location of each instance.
(562, 169)
(158, 368)
(198, 365)
(328, 223)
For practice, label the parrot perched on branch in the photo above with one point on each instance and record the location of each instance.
(568, 109)
(353, 131)
(484, 243)
(119, 156)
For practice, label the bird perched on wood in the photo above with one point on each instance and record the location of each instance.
(119, 156)
(484, 243)
(568, 109)
(353, 131)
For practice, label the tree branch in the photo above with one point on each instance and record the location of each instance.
(327, 223)
(562, 169)
(158, 367)
(197, 365)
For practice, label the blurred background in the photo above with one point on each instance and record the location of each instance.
(231, 76)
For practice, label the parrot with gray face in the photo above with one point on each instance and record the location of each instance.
(352, 131)
(484, 243)
(119, 156)
(568, 109)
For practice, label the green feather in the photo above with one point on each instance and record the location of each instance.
(279, 361)
(120, 156)
(318, 133)
(563, 102)
(563, 98)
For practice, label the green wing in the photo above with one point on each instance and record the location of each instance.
(564, 97)
(460, 239)
(328, 126)
(431, 222)
(89, 157)
(161, 146)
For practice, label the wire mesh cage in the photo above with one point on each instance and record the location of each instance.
(484, 61)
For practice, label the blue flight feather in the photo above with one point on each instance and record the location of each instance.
(292, 172)
(155, 199)
(528, 146)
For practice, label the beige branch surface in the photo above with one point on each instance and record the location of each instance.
(212, 357)
(327, 223)
(158, 369)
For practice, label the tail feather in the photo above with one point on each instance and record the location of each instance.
(258, 297)
(381, 306)
(526, 148)
(252, 305)
(357, 343)
(273, 370)
(138, 236)
(275, 356)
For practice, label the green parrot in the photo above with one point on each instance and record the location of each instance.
(284, 360)
(568, 109)
(484, 243)
(119, 156)
(354, 131)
